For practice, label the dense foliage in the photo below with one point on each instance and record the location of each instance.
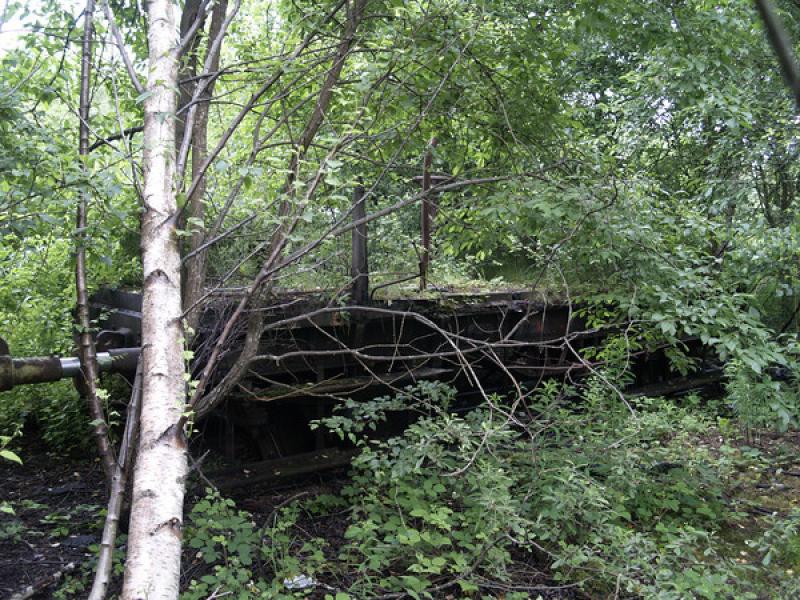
(636, 158)
(614, 502)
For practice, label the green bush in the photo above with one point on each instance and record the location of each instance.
(36, 303)
(37, 300)
(611, 498)
(760, 401)
(225, 539)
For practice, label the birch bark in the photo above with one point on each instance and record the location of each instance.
(152, 570)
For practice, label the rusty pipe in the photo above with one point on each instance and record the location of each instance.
(45, 369)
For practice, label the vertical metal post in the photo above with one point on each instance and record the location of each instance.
(359, 269)
(426, 217)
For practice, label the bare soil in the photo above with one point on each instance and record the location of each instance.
(55, 500)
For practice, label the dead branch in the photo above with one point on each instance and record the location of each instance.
(119, 483)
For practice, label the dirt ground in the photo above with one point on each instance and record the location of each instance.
(55, 502)
(50, 509)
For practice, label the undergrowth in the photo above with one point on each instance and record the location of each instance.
(609, 500)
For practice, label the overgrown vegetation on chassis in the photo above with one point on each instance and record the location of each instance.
(635, 159)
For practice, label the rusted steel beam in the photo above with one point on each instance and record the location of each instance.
(283, 391)
(426, 217)
(359, 269)
(678, 385)
(269, 471)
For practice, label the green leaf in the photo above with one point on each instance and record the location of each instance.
(11, 456)
(143, 96)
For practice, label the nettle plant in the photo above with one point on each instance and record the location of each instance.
(607, 496)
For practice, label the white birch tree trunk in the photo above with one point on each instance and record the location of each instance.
(152, 570)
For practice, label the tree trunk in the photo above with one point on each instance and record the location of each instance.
(87, 351)
(196, 265)
(152, 570)
(204, 404)
(187, 68)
